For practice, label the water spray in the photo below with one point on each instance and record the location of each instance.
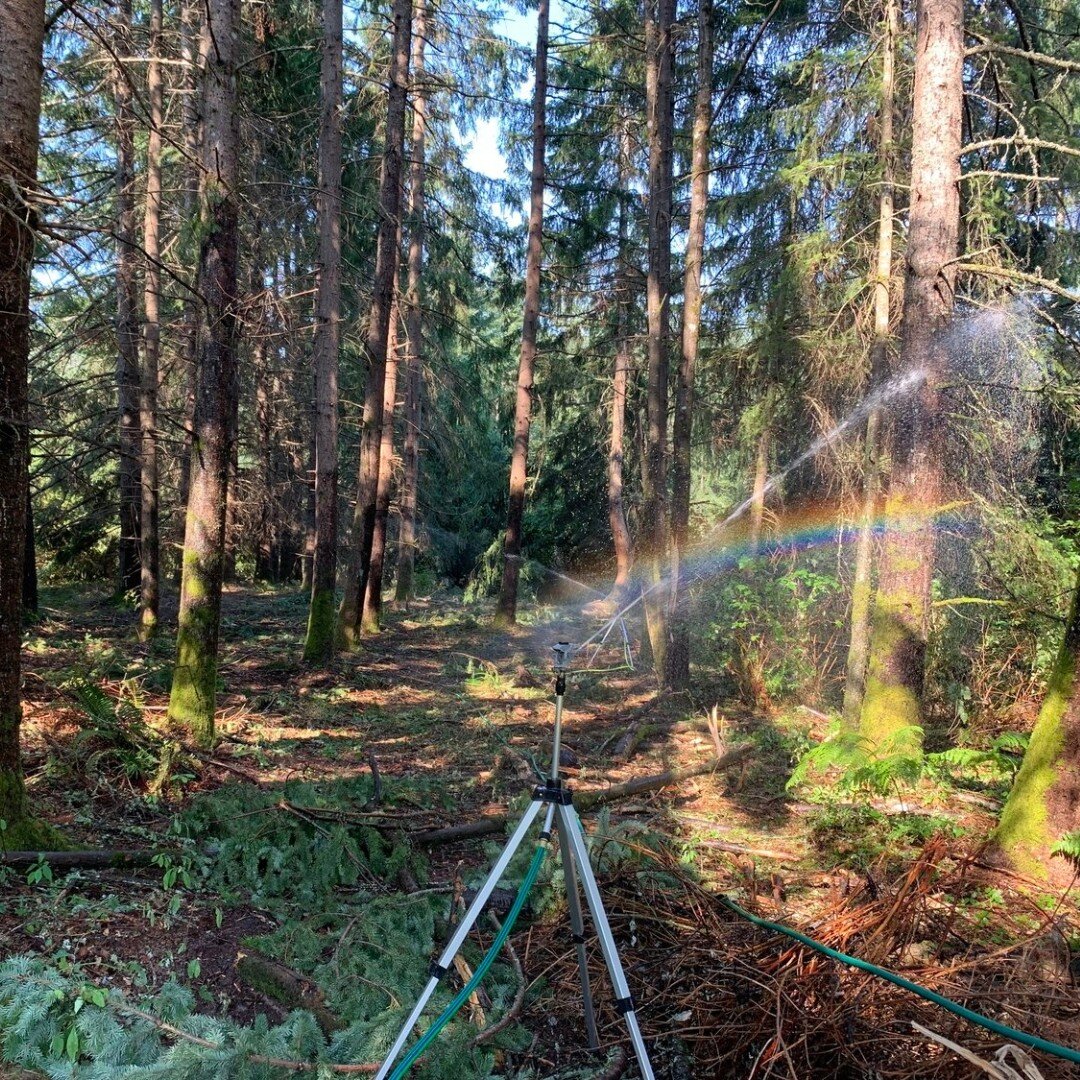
(895, 388)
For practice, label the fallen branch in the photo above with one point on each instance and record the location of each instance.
(999, 1069)
(519, 996)
(366, 1067)
(285, 986)
(84, 860)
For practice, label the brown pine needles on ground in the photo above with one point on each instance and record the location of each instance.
(748, 1004)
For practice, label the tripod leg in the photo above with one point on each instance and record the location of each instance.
(440, 968)
(577, 927)
(570, 827)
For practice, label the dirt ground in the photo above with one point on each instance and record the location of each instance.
(443, 702)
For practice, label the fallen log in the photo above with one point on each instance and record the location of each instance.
(84, 860)
(586, 800)
(285, 986)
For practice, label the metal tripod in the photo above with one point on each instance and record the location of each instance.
(555, 799)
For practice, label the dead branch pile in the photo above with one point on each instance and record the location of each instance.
(747, 1004)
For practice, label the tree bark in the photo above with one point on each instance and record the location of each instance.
(319, 645)
(22, 25)
(372, 615)
(193, 62)
(1044, 803)
(193, 697)
(892, 704)
(386, 264)
(30, 581)
(678, 656)
(149, 545)
(413, 358)
(862, 585)
(659, 17)
(127, 332)
(506, 610)
(761, 478)
(620, 533)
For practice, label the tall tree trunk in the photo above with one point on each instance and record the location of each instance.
(861, 588)
(319, 645)
(149, 546)
(127, 332)
(659, 17)
(506, 611)
(193, 61)
(761, 479)
(373, 590)
(620, 533)
(382, 298)
(1044, 803)
(678, 657)
(22, 24)
(892, 704)
(414, 318)
(193, 697)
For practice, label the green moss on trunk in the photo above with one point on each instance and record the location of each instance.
(22, 832)
(194, 685)
(319, 643)
(1042, 805)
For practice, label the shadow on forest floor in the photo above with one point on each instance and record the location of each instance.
(455, 719)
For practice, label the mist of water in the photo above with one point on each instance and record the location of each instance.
(897, 387)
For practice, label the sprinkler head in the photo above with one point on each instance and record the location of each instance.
(563, 650)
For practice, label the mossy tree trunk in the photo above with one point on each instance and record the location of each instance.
(677, 673)
(862, 583)
(506, 611)
(22, 25)
(413, 355)
(193, 696)
(659, 20)
(1044, 803)
(382, 297)
(319, 644)
(892, 702)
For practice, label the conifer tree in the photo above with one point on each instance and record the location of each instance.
(350, 612)
(678, 657)
(194, 687)
(862, 585)
(892, 703)
(506, 611)
(413, 345)
(149, 545)
(320, 630)
(22, 27)
(659, 59)
(127, 333)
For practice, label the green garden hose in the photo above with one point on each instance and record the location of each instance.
(1021, 1037)
(465, 992)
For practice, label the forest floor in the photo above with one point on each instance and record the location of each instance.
(440, 721)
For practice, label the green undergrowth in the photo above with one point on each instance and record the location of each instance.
(309, 856)
(856, 836)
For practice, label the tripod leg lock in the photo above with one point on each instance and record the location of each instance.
(624, 1005)
(578, 939)
(437, 971)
